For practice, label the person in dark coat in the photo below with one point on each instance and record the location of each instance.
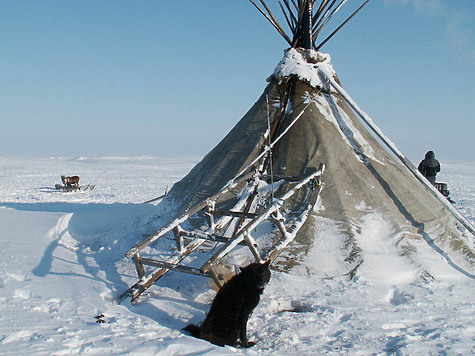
(429, 167)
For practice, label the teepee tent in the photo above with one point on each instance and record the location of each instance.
(319, 158)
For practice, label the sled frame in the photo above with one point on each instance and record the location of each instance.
(74, 188)
(218, 221)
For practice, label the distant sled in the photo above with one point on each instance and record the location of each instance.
(71, 184)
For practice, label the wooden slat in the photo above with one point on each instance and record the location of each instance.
(205, 236)
(289, 236)
(139, 266)
(141, 286)
(238, 238)
(174, 267)
(178, 239)
(252, 245)
(263, 215)
(236, 214)
(216, 279)
(209, 215)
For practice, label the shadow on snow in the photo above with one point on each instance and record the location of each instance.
(103, 233)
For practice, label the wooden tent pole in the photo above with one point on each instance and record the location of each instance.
(307, 26)
(272, 20)
(343, 24)
(289, 22)
(326, 17)
(291, 15)
(320, 12)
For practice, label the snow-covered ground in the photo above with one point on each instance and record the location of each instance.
(62, 263)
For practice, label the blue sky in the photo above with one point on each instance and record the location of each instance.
(173, 77)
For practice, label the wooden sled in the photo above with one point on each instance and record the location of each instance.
(74, 188)
(442, 188)
(228, 229)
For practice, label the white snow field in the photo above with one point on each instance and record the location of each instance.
(62, 263)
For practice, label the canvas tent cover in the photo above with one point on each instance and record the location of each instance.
(361, 176)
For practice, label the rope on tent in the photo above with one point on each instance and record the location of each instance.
(231, 183)
(270, 150)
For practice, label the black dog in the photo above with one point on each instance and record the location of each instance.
(227, 319)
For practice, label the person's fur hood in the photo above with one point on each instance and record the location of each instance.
(430, 160)
(430, 155)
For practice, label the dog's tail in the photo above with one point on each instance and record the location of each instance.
(194, 330)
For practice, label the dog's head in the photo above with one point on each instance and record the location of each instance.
(256, 275)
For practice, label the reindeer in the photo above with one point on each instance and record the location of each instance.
(70, 181)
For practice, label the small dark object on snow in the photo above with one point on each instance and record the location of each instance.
(227, 319)
(100, 319)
